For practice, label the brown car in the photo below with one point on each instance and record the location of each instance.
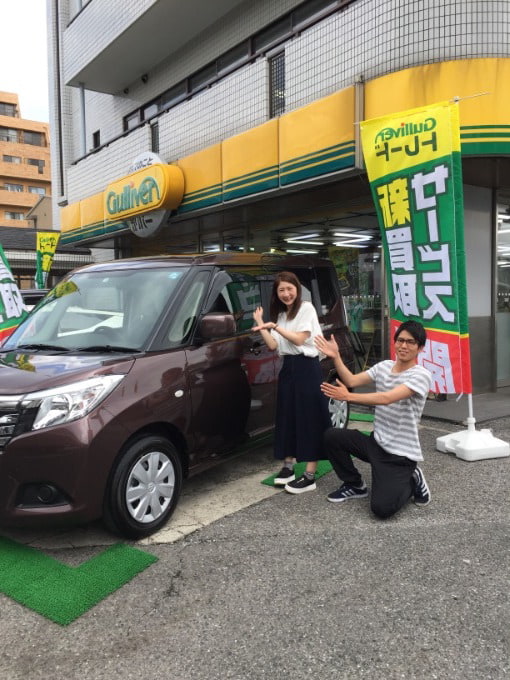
(131, 375)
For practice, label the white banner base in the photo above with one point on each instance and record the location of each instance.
(472, 444)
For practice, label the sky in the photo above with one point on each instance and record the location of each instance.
(23, 55)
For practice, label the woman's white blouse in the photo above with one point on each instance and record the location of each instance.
(305, 320)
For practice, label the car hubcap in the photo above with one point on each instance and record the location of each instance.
(150, 487)
(338, 411)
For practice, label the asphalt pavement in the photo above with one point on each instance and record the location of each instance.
(296, 587)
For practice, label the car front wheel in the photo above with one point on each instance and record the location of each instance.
(144, 488)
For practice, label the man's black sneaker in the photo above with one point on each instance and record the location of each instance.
(421, 491)
(284, 476)
(301, 485)
(346, 492)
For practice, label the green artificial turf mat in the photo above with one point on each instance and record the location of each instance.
(323, 467)
(62, 593)
(366, 417)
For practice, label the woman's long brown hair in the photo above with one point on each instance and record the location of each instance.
(276, 306)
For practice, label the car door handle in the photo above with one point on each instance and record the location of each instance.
(256, 348)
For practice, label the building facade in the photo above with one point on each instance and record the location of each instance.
(25, 171)
(25, 196)
(250, 113)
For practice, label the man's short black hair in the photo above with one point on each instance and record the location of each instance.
(415, 329)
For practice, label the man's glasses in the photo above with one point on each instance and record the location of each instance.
(406, 341)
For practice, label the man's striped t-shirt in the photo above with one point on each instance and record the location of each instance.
(396, 425)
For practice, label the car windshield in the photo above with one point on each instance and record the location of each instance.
(115, 309)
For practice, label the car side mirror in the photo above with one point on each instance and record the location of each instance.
(217, 325)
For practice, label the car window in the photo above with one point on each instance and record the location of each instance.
(116, 308)
(327, 288)
(184, 320)
(240, 296)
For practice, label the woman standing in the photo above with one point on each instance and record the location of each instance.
(302, 414)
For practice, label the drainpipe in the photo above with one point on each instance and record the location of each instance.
(58, 85)
(359, 115)
(83, 139)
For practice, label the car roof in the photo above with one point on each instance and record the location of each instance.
(274, 261)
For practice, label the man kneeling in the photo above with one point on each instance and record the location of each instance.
(393, 448)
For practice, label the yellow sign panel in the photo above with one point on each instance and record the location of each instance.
(423, 135)
(155, 187)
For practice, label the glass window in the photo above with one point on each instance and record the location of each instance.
(36, 161)
(204, 76)
(155, 137)
(277, 84)
(239, 295)
(120, 308)
(174, 95)
(8, 135)
(132, 120)
(34, 138)
(273, 34)
(37, 190)
(9, 215)
(96, 139)
(327, 288)
(503, 293)
(7, 109)
(150, 110)
(234, 57)
(503, 258)
(11, 159)
(13, 187)
(310, 11)
(184, 320)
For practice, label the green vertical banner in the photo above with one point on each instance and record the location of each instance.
(47, 242)
(12, 310)
(414, 166)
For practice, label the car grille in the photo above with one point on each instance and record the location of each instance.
(9, 417)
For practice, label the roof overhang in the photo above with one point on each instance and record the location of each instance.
(162, 30)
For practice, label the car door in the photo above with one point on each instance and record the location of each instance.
(232, 379)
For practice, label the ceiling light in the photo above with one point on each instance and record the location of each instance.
(305, 236)
(346, 244)
(311, 243)
(350, 236)
(303, 252)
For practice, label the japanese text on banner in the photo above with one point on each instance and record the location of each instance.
(413, 163)
(12, 310)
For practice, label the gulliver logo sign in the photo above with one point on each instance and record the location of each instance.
(156, 187)
(414, 166)
(405, 130)
(145, 195)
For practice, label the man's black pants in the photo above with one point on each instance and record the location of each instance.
(392, 483)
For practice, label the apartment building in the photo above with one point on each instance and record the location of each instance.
(25, 169)
(250, 113)
(25, 196)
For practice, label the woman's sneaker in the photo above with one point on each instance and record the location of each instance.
(285, 476)
(301, 485)
(421, 491)
(346, 492)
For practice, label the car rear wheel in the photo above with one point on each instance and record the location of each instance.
(338, 410)
(144, 488)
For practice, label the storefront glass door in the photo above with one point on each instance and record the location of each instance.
(361, 283)
(503, 295)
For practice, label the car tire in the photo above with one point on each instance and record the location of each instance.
(339, 411)
(144, 488)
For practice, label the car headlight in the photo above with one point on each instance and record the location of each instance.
(69, 402)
